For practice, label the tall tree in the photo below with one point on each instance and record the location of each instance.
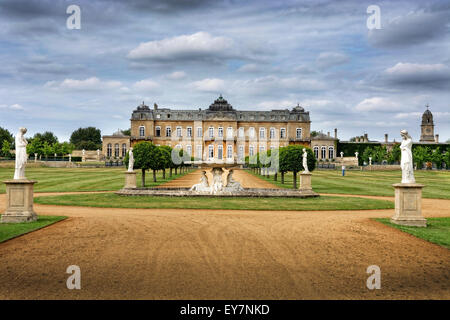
(146, 156)
(294, 159)
(86, 138)
(5, 135)
(47, 136)
(166, 159)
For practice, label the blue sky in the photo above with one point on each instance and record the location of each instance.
(260, 55)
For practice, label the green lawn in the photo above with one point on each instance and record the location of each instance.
(437, 230)
(80, 179)
(12, 230)
(109, 200)
(373, 183)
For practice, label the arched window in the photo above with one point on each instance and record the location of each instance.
(210, 152)
(220, 152)
(272, 133)
(229, 151)
(316, 152)
(324, 153)
(262, 133)
(109, 150)
(116, 150)
(330, 152)
(189, 150)
(141, 131)
(241, 132)
(124, 150)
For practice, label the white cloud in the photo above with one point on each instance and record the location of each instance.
(194, 46)
(378, 104)
(92, 83)
(177, 75)
(408, 69)
(146, 84)
(408, 115)
(209, 85)
(280, 104)
(330, 59)
(250, 67)
(15, 106)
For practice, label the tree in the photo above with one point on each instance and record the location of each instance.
(127, 132)
(35, 145)
(6, 147)
(86, 138)
(395, 154)
(5, 135)
(146, 156)
(46, 136)
(66, 148)
(437, 157)
(314, 133)
(166, 159)
(293, 160)
(420, 155)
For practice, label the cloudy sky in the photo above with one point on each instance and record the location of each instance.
(259, 54)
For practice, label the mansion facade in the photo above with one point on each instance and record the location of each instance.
(219, 132)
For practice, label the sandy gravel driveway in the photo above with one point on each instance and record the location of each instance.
(218, 254)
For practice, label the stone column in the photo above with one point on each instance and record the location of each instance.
(19, 202)
(408, 205)
(130, 180)
(35, 157)
(305, 182)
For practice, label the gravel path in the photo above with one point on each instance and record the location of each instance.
(217, 254)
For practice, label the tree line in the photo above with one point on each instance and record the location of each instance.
(148, 156)
(282, 160)
(46, 144)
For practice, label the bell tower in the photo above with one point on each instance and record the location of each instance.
(427, 127)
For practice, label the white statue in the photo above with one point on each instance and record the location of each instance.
(406, 162)
(217, 181)
(305, 161)
(342, 154)
(130, 160)
(83, 152)
(232, 186)
(370, 161)
(203, 185)
(21, 154)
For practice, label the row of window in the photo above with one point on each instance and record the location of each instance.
(220, 132)
(323, 152)
(116, 150)
(220, 155)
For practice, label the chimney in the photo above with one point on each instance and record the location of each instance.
(335, 133)
(386, 138)
(366, 137)
(436, 139)
(328, 133)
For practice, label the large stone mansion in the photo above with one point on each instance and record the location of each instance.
(219, 132)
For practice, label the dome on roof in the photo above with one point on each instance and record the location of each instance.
(427, 117)
(118, 133)
(220, 104)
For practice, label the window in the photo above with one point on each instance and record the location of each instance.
(251, 132)
(316, 152)
(109, 150)
(142, 131)
(229, 151)
(262, 149)
(199, 152)
(251, 151)
(124, 150)
(158, 116)
(330, 152)
(220, 132)
(211, 132)
(158, 131)
(178, 131)
(220, 152)
(189, 132)
(241, 153)
(262, 133)
(282, 133)
(241, 132)
(229, 132)
(168, 131)
(298, 133)
(272, 133)
(178, 147)
(199, 131)
(189, 150)
(210, 152)
(116, 150)
(324, 152)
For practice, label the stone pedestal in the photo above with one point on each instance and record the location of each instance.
(130, 180)
(19, 202)
(305, 182)
(408, 205)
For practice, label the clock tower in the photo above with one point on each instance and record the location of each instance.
(427, 127)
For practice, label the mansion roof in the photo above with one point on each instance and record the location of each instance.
(220, 109)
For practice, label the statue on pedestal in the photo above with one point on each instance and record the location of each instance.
(232, 186)
(217, 181)
(406, 162)
(21, 154)
(305, 161)
(130, 160)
